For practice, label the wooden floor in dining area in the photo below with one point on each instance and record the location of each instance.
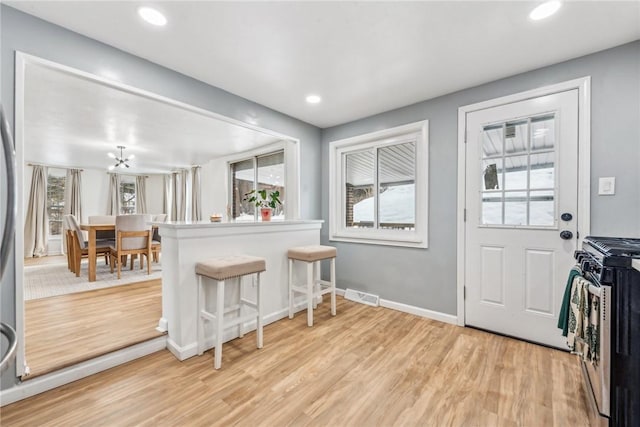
(63, 330)
(365, 367)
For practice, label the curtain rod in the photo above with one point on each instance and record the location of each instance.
(126, 174)
(54, 166)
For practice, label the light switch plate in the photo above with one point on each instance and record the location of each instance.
(607, 186)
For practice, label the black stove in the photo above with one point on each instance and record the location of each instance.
(614, 383)
(610, 251)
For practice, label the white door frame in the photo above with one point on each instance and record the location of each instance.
(583, 85)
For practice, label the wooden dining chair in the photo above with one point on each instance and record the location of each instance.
(104, 234)
(80, 248)
(133, 237)
(155, 240)
(68, 235)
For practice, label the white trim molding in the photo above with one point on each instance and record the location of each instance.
(81, 370)
(417, 132)
(583, 85)
(411, 309)
(418, 311)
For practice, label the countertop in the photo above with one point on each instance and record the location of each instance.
(224, 224)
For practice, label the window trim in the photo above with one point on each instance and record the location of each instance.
(417, 238)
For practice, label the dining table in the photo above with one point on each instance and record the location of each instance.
(92, 230)
(91, 240)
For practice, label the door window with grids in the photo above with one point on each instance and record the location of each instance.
(519, 172)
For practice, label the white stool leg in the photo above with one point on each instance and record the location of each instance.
(240, 306)
(333, 286)
(259, 319)
(200, 323)
(316, 283)
(310, 287)
(219, 324)
(290, 288)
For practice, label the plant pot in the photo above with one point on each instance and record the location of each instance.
(265, 214)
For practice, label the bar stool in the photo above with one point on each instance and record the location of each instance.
(221, 269)
(313, 255)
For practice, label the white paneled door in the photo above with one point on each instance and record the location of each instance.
(521, 219)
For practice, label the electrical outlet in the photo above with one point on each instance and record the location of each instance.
(607, 186)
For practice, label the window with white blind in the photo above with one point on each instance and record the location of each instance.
(379, 187)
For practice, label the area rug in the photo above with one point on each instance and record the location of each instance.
(42, 281)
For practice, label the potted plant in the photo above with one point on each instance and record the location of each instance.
(265, 200)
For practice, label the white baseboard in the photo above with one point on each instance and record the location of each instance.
(418, 311)
(55, 379)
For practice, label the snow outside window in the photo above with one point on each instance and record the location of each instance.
(379, 188)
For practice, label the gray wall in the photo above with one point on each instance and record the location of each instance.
(31, 35)
(427, 277)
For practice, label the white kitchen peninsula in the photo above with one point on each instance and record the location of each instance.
(185, 243)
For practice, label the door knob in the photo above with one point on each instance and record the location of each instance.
(566, 234)
(566, 216)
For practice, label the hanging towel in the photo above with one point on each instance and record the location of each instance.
(563, 318)
(583, 335)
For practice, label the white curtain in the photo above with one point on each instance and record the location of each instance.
(141, 194)
(174, 196)
(166, 200)
(182, 191)
(36, 227)
(114, 194)
(72, 200)
(196, 203)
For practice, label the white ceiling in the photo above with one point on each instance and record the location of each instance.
(71, 121)
(363, 58)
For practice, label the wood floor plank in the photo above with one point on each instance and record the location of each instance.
(66, 329)
(365, 367)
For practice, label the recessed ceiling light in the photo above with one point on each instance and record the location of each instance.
(152, 16)
(313, 99)
(545, 10)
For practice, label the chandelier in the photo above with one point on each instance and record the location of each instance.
(121, 162)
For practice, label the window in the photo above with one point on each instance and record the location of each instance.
(264, 172)
(379, 187)
(127, 196)
(518, 173)
(56, 179)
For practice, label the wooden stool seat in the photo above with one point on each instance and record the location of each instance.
(220, 270)
(312, 253)
(228, 267)
(315, 287)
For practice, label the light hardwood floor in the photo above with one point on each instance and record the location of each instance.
(45, 260)
(365, 367)
(67, 329)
